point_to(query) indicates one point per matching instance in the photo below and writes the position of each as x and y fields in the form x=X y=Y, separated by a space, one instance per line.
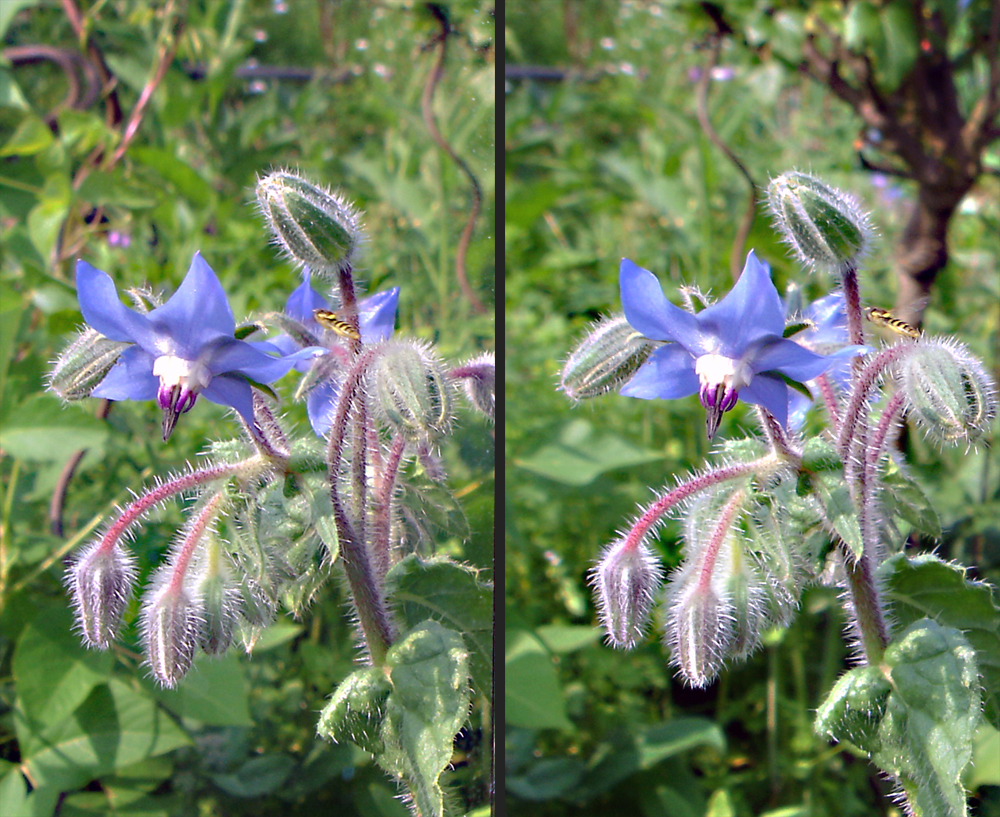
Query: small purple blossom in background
x=183 y=348
x=732 y=350
x=377 y=318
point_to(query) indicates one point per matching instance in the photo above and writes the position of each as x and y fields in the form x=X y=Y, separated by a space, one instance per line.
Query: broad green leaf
x=549 y=778
x=985 y=768
x=258 y=777
x=862 y=27
x=564 y=638
x=925 y=739
x=54 y=672
x=429 y=671
x=178 y=173
x=902 y=42
x=356 y=711
x=215 y=693
x=720 y=804
x=923 y=585
x=41 y=429
x=532 y=695
x=854 y=708
x=30 y=137
x=581 y=454
x=11 y=95
x=839 y=509
x=112 y=188
x=115 y=727
x=13 y=790
x=45 y=221
x=452 y=595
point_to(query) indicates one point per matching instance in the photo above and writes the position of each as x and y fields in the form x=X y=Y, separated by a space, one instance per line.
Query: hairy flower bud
x=84 y=364
x=171 y=623
x=101 y=581
x=478 y=378
x=314 y=226
x=606 y=358
x=626 y=580
x=411 y=389
x=947 y=390
x=212 y=582
x=825 y=227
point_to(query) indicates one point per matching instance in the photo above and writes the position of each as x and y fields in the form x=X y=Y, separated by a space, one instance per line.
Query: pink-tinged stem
x=718 y=537
x=645 y=522
x=137 y=509
x=192 y=538
x=856 y=412
x=829 y=400
x=777 y=436
x=382 y=506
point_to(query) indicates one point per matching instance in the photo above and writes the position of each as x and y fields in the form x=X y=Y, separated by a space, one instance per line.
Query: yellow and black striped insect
x=883 y=317
x=331 y=320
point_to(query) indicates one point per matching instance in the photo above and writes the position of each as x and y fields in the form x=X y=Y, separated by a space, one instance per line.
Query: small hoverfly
x=882 y=317
x=331 y=320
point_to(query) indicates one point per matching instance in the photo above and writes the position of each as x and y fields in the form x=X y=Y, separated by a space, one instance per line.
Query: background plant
x=162 y=163
x=613 y=163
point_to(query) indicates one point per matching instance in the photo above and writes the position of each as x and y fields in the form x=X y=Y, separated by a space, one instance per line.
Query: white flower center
x=718 y=370
x=175 y=371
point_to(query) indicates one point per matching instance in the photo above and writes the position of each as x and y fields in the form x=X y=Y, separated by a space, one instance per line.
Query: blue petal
x=303 y=300
x=378 y=315
x=104 y=312
x=791 y=359
x=751 y=310
x=669 y=373
x=649 y=312
x=769 y=392
x=131 y=378
x=798 y=406
x=197 y=313
x=232 y=391
x=240 y=357
x=321 y=405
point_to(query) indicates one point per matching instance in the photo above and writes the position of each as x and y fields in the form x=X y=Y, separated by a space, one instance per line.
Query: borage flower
x=377 y=317
x=183 y=348
x=732 y=350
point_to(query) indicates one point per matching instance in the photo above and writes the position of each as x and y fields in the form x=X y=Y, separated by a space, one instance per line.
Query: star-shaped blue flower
x=731 y=350
x=183 y=348
x=377 y=316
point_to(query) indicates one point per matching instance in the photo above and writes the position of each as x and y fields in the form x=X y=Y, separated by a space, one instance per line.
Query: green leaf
x=116 y=726
x=925 y=586
x=429 y=671
x=30 y=137
x=564 y=638
x=258 y=777
x=985 y=769
x=42 y=429
x=839 y=509
x=215 y=693
x=580 y=455
x=53 y=671
x=854 y=708
x=925 y=738
x=902 y=43
x=862 y=27
x=549 y=778
x=113 y=188
x=904 y=499
x=179 y=174
x=452 y=595
x=357 y=709
x=533 y=697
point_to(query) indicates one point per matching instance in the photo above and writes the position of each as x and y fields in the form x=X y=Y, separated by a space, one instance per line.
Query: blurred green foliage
x=239 y=736
x=609 y=162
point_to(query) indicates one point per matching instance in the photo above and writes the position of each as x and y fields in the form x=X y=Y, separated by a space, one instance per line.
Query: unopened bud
x=626 y=580
x=947 y=390
x=412 y=390
x=170 y=625
x=478 y=378
x=314 y=226
x=824 y=226
x=101 y=582
x=83 y=365
x=606 y=358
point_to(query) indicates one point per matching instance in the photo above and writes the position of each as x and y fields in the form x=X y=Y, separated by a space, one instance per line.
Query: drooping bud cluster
x=412 y=390
x=478 y=377
x=825 y=227
x=313 y=226
x=626 y=580
x=608 y=356
x=947 y=391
